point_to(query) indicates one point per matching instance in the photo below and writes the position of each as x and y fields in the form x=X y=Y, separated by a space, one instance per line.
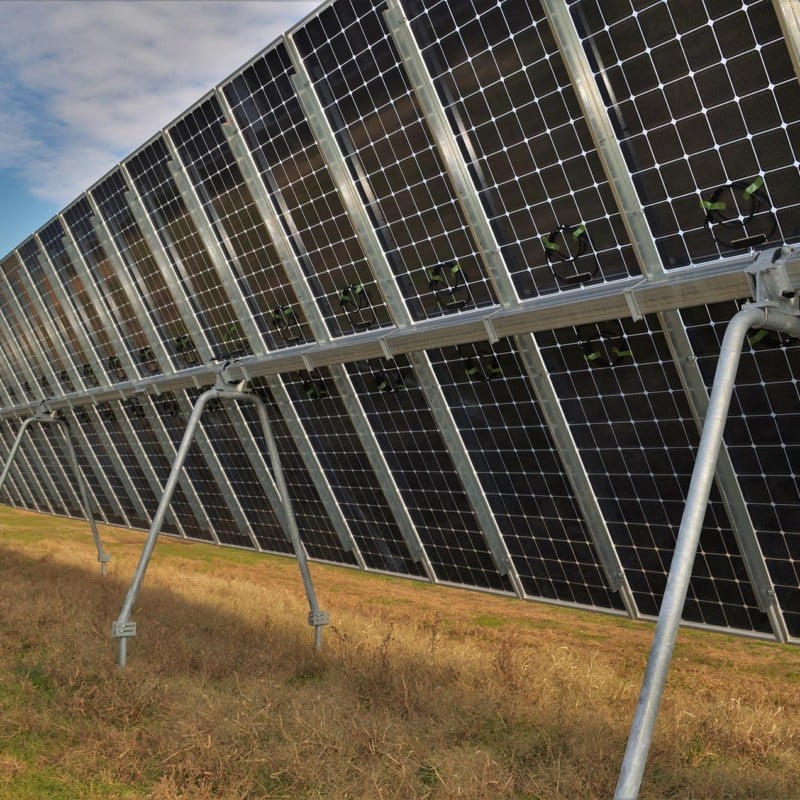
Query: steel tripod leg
x=15 y=449
x=316 y=616
x=102 y=556
x=123 y=628
x=669 y=617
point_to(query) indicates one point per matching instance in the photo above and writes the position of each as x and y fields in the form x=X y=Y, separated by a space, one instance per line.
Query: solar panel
x=476 y=259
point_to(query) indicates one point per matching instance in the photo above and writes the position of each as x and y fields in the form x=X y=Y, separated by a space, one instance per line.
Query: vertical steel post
x=688 y=537
x=123 y=628
x=102 y=556
x=316 y=617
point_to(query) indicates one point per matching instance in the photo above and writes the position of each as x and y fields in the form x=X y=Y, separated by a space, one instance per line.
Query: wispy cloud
x=83 y=83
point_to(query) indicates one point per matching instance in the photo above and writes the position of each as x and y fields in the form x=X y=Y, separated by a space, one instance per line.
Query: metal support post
x=123 y=628
x=45 y=416
x=772 y=316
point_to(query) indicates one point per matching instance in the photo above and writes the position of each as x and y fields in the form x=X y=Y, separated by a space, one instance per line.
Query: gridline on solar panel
x=702 y=95
x=101 y=500
x=244 y=480
x=350 y=473
x=628 y=413
x=178 y=235
x=143 y=270
x=22 y=485
x=521 y=132
x=82 y=307
x=371 y=107
x=101 y=271
x=29 y=336
x=118 y=423
x=105 y=421
x=42 y=448
x=509 y=445
x=60 y=317
x=236 y=220
x=293 y=170
x=314 y=523
x=197 y=473
x=763 y=438
x=409 y=438
x=81 y=420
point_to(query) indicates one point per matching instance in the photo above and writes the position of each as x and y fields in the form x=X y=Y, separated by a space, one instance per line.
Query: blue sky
x=85 y=82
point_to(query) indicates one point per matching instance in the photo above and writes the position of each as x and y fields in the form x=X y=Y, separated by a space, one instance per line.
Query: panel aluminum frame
x=436 y=120
x=788 y=15
x=326 y=141
x=208 y=237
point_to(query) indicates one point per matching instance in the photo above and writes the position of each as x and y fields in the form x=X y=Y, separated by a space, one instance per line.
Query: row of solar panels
x=376 y=174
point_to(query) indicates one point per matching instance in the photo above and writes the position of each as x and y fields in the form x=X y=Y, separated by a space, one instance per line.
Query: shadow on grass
x=224 y=697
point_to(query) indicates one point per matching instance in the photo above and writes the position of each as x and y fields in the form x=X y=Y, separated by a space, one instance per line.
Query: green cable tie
x=753 y=187
x=548 y=245
x=433 y=276
x=593 y=356
x=455 y=269
x=579 y=231
x=758 y=336
x=619 y=353
x=709 y=206
x=471 y=371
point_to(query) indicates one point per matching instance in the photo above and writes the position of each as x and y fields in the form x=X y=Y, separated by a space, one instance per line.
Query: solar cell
x=477 y=259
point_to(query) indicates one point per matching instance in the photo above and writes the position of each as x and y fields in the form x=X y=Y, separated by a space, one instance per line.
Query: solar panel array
x=477 y=257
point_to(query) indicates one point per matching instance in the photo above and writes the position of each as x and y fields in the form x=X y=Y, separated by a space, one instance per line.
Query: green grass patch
x=489 y=621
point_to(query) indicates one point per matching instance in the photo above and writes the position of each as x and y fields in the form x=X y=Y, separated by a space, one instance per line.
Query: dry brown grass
x=420 y=692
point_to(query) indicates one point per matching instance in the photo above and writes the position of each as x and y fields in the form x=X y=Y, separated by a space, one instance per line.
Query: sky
x=83 y=83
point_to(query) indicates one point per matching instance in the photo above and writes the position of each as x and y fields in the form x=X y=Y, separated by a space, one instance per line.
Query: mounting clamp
x=772 y=283
x=224 y=382
x=318 y=618
x=123 y=630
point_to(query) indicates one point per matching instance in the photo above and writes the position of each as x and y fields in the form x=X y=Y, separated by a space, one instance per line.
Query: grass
x=417 y=694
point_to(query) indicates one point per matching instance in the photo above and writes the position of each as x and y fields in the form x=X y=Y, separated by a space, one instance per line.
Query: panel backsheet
x=387 y=167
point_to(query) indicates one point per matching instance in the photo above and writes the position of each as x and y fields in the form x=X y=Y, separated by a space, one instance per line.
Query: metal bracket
x=225 y=382
x=123 y=630
x=385 y=349
x=317 y=618
x=491 y=333
x=772 y=284
x=633 y=301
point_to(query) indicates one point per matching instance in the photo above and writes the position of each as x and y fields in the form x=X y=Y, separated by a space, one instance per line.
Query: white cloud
x=84 y=83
